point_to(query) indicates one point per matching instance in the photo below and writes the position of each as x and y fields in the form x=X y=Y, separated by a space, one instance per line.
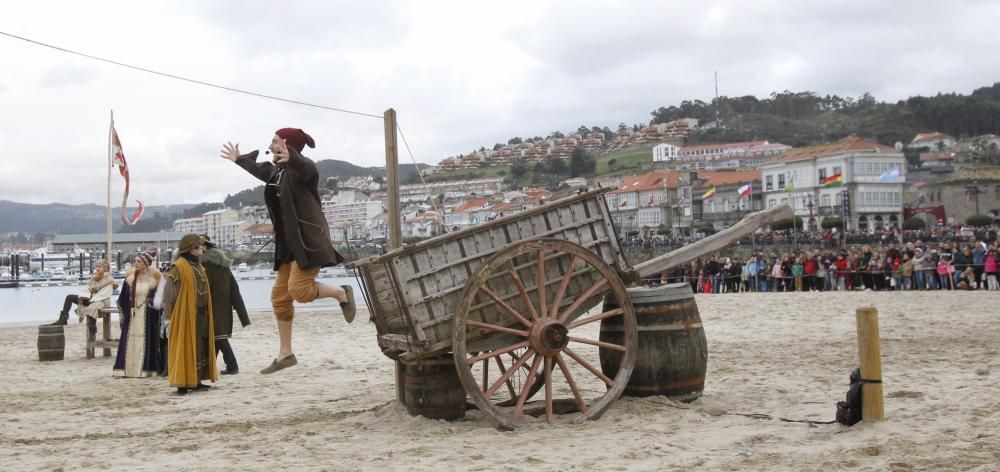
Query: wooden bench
x=106 y=342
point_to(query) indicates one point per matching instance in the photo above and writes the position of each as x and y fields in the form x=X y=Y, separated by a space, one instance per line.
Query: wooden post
x=395 y=236
x=395 y=233
x=400 y=382
x=870 y=362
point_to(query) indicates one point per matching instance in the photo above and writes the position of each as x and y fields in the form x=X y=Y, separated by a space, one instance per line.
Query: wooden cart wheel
x=512 y=336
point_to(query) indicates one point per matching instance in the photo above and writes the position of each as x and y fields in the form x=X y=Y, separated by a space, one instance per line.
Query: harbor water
x=42 y=304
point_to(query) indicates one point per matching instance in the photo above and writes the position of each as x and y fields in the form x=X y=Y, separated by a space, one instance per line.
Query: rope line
x=185 y=79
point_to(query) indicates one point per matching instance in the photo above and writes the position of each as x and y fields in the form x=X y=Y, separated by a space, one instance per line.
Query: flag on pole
x=891 y=175
x=834 y=180
x=118 y=159
x=745 y=191
x=709 y=194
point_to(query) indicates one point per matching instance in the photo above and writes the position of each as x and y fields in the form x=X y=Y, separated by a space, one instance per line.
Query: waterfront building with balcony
x=852 y=178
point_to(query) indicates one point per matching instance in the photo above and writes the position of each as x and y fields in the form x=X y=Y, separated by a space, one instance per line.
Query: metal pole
x=108 y=215
x=975 y=188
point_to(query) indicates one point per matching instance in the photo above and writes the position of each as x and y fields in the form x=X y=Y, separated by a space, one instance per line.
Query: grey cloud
x=848 y=47
x=262 y=27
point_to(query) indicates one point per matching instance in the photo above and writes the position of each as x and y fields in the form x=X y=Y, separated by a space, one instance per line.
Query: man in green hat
x=187 y=306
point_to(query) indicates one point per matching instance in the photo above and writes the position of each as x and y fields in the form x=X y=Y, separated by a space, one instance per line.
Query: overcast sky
x=460 y=74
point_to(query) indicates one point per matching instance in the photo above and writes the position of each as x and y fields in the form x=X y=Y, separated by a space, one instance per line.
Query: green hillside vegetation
x=796 y=119
x=624 y=162
x=805 y=118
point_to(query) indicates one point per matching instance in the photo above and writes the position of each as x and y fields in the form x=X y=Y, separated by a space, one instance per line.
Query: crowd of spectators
x=833 y=238
x=958 y=262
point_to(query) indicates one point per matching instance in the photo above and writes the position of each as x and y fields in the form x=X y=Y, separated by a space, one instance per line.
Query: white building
x=189 y=225
x=356 y=218
x=934 y=141
x=215 y=220
x=232 y=235
x=665 y=152
x=420 y=192
x=871 y=176
x=731 y=155
x=255 y=215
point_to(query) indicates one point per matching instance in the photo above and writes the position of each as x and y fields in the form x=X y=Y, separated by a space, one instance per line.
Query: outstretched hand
x=230 y=151
x=280 y=149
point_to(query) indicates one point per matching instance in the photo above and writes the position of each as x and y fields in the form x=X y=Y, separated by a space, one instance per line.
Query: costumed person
x=302 y=243
x=97 y=295
x=187 y=304
x=226 y=297
x=139 y=345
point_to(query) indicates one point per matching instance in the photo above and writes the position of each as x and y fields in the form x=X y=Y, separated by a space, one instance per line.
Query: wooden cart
x=507 y=300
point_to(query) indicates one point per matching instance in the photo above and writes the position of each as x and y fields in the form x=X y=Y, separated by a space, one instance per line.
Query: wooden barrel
x=673 y=352
x=51 y=343
x=433 y=390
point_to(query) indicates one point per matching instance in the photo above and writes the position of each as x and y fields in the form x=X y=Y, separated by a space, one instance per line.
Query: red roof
x=720 y=178
x=850 y=144
x=470 y=204
x=655 y=180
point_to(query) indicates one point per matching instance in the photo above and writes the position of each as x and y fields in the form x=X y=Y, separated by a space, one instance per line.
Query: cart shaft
x=713 y=243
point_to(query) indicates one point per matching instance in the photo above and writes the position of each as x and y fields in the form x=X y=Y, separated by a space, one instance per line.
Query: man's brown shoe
x=277 y=365
x=348 y=307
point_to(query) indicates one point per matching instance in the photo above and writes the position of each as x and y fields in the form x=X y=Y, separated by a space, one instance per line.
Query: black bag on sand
x=849 y=412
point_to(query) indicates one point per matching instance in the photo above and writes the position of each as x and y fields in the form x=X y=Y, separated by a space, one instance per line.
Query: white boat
x=337 y=271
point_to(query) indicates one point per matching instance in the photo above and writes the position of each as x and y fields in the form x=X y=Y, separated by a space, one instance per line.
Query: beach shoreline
x=785 y=355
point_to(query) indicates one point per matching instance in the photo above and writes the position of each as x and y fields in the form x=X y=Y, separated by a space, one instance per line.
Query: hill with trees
x=805 y=118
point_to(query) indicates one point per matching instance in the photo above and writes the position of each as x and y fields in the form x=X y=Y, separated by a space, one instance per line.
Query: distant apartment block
x=215 y=221
x=420 y=192
x=742 y=154
x=189 y=225
x=354 y=218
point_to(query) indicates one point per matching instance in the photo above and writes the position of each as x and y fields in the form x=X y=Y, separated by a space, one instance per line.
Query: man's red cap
x=296 y=138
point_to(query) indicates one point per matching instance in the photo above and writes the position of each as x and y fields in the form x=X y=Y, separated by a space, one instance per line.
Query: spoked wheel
x=518 y=330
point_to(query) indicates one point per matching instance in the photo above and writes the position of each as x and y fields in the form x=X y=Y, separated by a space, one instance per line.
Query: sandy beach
x=783 y=355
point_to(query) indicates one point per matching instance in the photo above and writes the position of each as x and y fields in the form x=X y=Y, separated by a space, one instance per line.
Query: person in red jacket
x=842 y=275
x=809 y=270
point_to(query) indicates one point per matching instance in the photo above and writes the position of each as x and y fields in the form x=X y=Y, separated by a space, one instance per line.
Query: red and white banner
x=118 y=159
x=745 y=190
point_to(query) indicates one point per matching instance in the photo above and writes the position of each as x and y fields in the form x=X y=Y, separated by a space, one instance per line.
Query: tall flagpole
x=110 y=133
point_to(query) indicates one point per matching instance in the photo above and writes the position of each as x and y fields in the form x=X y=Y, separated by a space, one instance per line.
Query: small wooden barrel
x=673 y=352
x=432 y=389
x=51 y=343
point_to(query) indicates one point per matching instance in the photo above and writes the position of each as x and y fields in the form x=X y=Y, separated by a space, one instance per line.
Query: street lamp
x=811 y=222
x=973 y=189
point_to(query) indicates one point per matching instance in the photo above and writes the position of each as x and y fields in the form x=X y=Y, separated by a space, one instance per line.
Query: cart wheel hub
x=548 y=337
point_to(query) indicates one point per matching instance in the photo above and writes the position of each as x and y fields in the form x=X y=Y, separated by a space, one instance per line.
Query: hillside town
x=849 y=185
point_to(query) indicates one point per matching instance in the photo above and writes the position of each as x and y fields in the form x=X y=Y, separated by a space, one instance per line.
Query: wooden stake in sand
x=870 y=362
